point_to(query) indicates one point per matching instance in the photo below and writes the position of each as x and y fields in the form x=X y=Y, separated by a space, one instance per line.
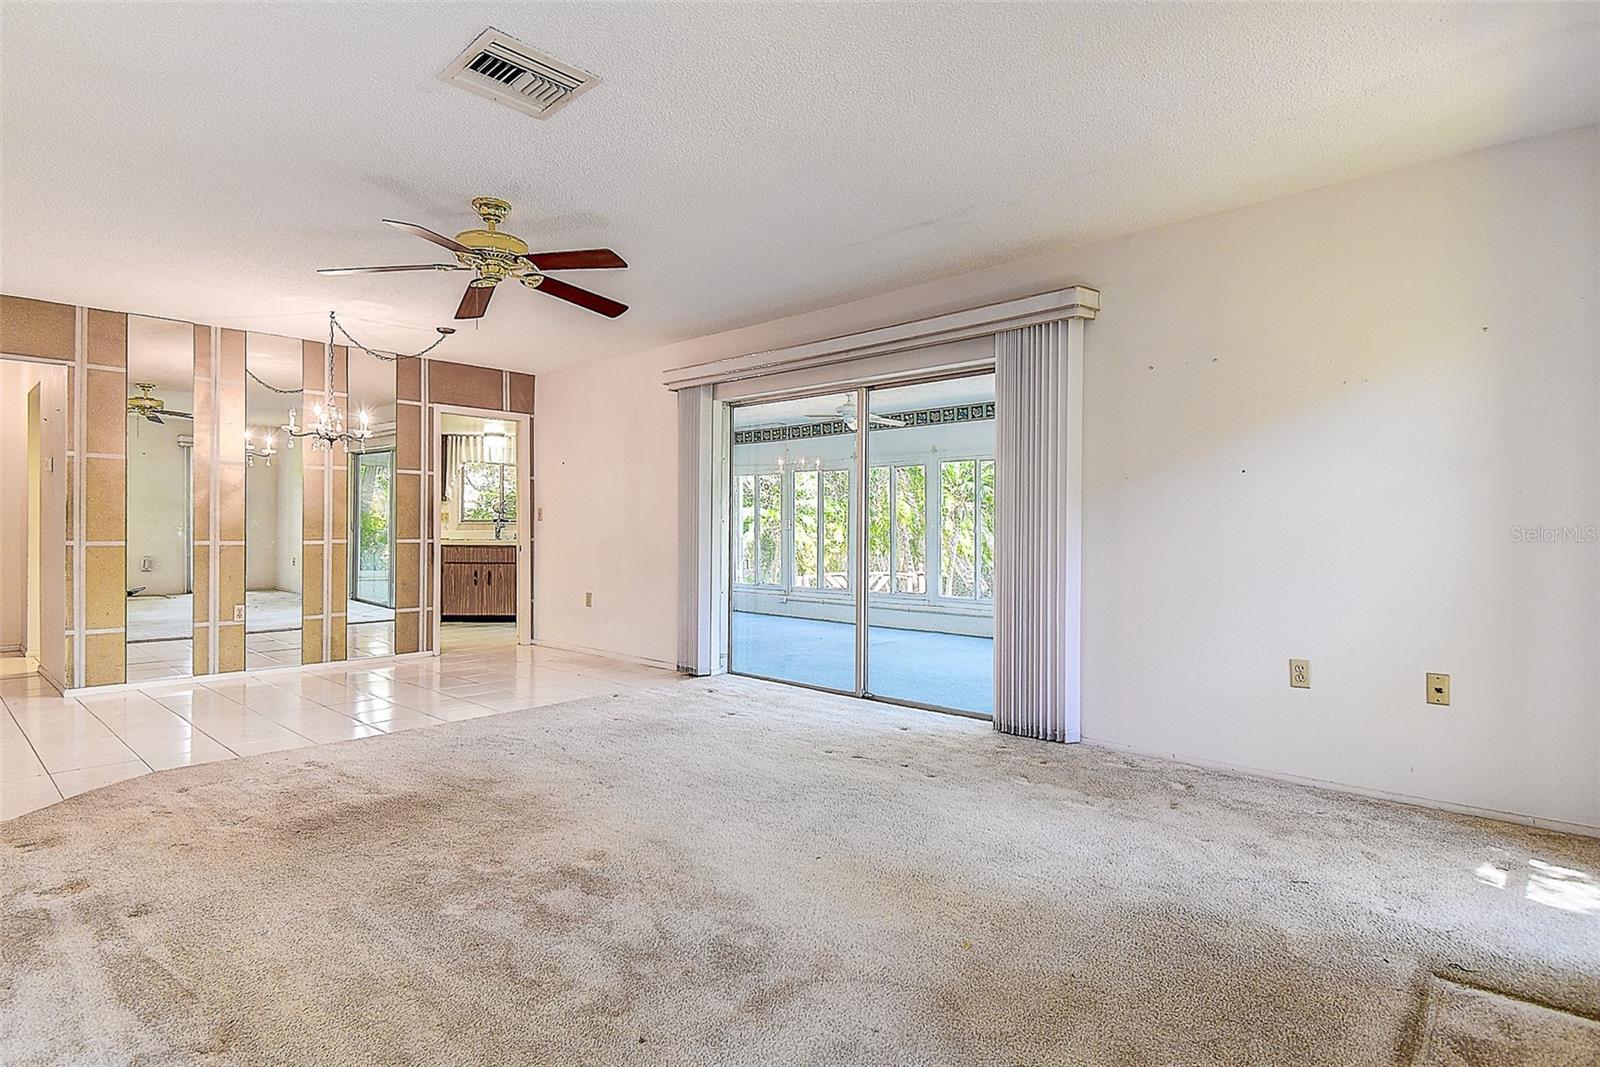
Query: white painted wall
x=1313 y=428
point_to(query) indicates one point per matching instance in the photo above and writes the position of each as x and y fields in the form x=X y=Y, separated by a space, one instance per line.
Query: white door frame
x=524 y=424
x=54 y=537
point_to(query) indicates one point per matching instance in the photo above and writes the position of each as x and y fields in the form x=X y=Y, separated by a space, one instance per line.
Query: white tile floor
x=53 y=747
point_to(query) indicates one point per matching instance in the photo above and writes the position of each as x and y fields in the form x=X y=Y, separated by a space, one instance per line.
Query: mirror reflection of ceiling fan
x=149 y=407
x=496 y=256
x=847 y=412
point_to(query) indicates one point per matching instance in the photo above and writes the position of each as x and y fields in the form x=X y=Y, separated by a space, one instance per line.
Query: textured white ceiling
x=750 y=161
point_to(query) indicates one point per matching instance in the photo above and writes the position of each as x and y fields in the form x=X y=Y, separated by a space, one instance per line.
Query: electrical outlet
x=588 y=600
x=238 y=613
x=1438 y=688
x=1300 y=674
x=538 y=514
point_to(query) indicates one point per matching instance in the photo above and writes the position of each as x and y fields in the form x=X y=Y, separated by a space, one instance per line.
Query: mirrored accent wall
x=159 y=482
x=274 y=578
x=370 y=614
x=233 y=534
x=104 y=594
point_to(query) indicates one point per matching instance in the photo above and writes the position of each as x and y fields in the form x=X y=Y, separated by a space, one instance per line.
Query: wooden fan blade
x=475 y=302
x=428 y=235
x=578 y=259
x=600 y=305
x=390 y=270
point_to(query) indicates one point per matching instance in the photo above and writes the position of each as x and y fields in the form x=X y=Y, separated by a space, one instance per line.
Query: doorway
x=482 y=568
x=862 y=542
x=33 y=534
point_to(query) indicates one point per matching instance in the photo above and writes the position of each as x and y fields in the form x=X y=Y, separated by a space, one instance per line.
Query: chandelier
x=266 y=448
x=326 y=427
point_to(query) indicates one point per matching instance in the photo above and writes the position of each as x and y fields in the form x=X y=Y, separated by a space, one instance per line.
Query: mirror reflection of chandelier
x=266 y=448
x=326 y=427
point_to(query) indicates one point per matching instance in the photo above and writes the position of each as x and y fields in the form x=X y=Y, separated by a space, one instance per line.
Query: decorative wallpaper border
x=838 y=427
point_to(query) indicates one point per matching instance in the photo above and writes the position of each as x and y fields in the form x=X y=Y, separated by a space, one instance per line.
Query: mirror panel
x=369 y=624
x=272 y=498
x=160 y=507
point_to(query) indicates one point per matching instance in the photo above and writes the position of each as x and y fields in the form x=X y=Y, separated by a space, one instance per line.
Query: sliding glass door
x=930 y=544
x=793 y=599
x=900 y=532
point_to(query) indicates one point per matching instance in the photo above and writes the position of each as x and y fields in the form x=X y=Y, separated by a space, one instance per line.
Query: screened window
x=747 y=529
x=880 y=531
x=911 y=529
x=807 y=524
x=488 y=492
x=769 y=528
x=836 y=529
x=966 y=529
x=760 y=529
x=986 y=529
x=813 y=532
x=958 y=529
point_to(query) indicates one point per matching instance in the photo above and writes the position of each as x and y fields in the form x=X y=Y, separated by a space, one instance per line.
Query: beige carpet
x=740 y=873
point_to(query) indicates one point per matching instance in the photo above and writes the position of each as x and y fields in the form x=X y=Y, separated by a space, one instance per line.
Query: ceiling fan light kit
x=495 y=255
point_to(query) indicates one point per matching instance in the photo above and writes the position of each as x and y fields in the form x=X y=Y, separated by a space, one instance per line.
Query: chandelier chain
x=387 y=357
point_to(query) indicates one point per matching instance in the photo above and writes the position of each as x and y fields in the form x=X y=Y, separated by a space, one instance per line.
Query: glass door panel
x=930 y=544
x=793 y=604
x=373 y=578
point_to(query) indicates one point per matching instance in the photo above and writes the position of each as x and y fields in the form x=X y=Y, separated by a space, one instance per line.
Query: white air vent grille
x=502 y=68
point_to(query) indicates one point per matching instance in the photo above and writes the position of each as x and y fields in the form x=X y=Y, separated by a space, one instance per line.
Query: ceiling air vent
x=504 y=69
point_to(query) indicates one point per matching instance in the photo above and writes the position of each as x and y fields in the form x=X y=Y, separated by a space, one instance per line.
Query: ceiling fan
x=847 y=412
x=495 y=256
x=149 y=407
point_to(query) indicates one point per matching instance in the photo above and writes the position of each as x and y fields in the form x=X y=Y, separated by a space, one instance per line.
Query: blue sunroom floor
x=946 y=670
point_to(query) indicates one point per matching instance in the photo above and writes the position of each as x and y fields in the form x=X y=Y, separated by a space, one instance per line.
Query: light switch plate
x=1300 y=674
x=1438 y=688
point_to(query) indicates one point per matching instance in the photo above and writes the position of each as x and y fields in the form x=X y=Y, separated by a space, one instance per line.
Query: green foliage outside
x=375 y=482
x=488 y=492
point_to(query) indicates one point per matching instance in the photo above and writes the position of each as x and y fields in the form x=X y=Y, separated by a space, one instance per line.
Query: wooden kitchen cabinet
x=478 y=582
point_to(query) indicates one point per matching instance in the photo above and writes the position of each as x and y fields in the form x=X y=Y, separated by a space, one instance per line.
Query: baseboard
x=60 y=684
x=643 y=661
x=6 y=650
x=228 y=676
x=1538 y=821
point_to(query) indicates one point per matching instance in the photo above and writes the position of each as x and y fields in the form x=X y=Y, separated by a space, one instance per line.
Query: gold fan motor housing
x=498 y=255
x=144 y=402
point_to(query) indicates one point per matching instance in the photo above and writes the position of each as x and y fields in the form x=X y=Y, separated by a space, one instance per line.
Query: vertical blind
x=1035 y=515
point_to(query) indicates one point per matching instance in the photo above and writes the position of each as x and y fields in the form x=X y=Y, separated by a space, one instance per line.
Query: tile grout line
x=37 y=758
